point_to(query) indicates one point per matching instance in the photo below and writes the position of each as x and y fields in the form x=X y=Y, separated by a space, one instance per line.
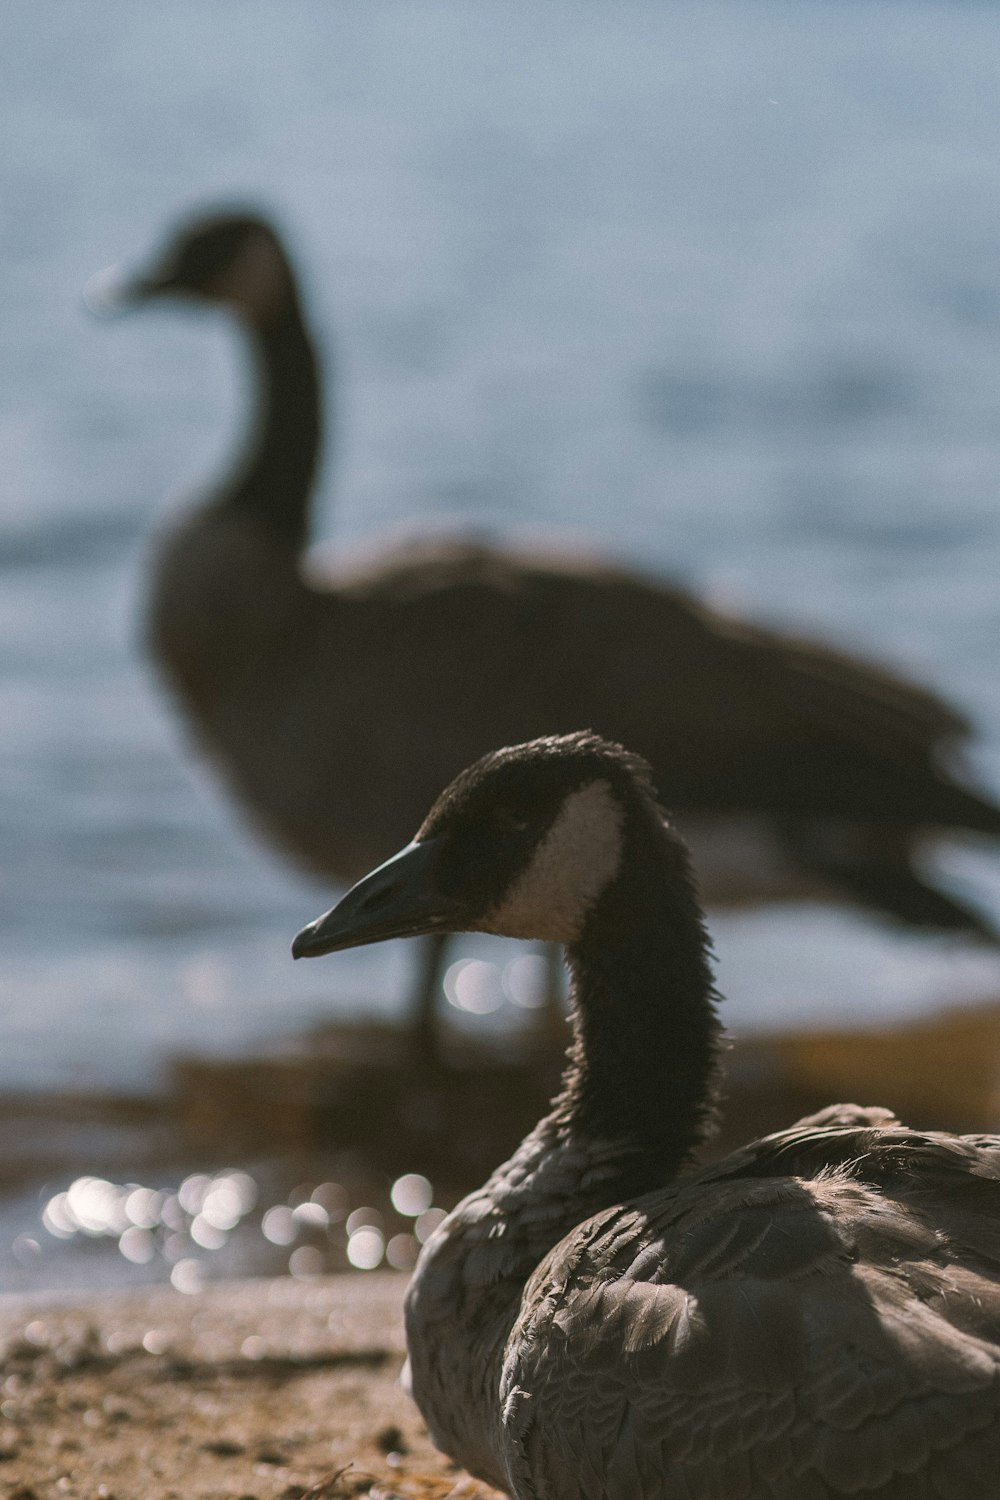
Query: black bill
x=399 y=899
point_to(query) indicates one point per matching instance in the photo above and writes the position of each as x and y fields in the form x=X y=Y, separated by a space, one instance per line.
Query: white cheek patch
x=580 y=854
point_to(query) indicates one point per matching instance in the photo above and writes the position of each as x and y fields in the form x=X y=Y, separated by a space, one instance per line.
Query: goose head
x=524 y=844
x=234 y=260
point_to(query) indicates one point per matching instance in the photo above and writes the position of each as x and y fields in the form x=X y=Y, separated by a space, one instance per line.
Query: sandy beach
x=283 y=1388
x=251 y=1390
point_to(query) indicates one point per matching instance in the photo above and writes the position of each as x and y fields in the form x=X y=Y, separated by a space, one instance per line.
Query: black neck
x=643 y=1061
x=275 y=480
x=637 y=1100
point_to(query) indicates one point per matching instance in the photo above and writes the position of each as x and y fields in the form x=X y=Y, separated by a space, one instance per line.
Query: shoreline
x=249 y=1390
x=340 y=1113
x=286 y=1387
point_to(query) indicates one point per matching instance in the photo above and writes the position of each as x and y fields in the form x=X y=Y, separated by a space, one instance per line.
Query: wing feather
x=803 y=1323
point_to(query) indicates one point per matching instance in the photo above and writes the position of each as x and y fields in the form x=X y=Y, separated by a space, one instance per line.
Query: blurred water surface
x=715 y=286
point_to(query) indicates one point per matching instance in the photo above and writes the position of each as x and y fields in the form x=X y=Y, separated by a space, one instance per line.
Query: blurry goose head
x=524 y=844
x=233 y=259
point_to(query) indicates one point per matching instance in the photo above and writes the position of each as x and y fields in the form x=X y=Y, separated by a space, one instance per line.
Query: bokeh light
x=365 y=1248
x=411 y=1194
x=473 y=985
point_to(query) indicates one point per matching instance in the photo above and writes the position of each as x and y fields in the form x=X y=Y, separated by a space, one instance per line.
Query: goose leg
x=551 y=1034
x=425 y=1009
x=555 y=977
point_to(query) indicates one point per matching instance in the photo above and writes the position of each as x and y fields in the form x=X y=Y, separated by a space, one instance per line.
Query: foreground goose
x=816 y=1315
x=337 y=707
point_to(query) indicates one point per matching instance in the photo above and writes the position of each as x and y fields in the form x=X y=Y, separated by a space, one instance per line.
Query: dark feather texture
x=815 y=1316
x=818 y=1334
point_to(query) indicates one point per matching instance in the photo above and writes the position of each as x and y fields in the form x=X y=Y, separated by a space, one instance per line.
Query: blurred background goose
x=816 y=1315
x=334 y=706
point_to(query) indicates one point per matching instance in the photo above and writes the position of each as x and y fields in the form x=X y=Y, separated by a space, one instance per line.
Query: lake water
x=714 y=286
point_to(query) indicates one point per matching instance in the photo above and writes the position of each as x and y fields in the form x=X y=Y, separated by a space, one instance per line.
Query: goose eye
x=508 y=821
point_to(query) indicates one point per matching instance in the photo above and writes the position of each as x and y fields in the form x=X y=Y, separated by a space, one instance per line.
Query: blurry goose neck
x=275 y=481
x=643 y=1063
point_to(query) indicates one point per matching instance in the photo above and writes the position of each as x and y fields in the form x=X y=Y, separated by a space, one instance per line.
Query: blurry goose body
x=816 y=1315
x=336 y=707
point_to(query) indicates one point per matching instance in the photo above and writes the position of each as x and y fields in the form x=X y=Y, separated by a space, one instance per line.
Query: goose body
x=337 y=703
x=817 y=1315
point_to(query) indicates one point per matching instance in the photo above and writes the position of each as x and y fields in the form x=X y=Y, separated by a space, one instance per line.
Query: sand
x=248 y=1390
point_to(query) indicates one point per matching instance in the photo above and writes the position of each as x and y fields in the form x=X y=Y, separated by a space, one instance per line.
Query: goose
x=336 y=703
x=815 y=1315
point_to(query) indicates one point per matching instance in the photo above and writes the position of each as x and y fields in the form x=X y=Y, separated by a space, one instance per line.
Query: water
x=715 y=286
